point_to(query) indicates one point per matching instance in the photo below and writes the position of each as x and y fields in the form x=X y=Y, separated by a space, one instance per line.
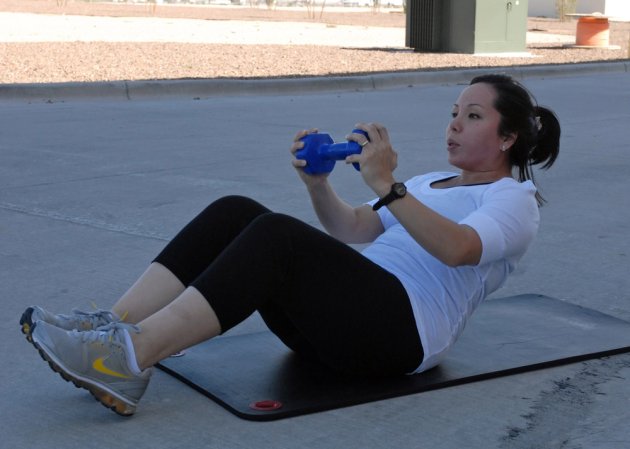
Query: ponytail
x=547 y=138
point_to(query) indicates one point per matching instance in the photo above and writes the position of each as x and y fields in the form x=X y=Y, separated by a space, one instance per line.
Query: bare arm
x=342 y=221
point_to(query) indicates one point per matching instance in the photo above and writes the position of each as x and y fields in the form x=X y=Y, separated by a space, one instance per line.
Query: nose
x=454 y=124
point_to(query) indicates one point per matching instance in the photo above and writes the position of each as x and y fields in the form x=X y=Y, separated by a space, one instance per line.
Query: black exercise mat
x=505 y=336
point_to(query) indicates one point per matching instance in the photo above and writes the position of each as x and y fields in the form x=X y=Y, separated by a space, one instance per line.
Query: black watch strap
x=397 y=191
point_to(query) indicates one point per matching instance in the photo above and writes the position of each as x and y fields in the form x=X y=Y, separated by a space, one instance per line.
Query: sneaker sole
x=108 y=398
x=26 y=324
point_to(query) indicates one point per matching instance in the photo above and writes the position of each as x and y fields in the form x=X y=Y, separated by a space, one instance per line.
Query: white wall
x=619 y=9
x=541 y=8
x=613 y=8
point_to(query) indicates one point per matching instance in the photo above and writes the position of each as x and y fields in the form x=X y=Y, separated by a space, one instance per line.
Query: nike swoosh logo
x=99 y=365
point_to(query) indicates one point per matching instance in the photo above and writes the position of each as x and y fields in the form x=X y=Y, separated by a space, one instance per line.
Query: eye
x=473 y=115
x=454 y=114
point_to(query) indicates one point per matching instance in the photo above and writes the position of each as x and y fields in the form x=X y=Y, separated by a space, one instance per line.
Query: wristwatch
x=397 y=191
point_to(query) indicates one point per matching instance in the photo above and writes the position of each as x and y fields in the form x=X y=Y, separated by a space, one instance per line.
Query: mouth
x=451 y=144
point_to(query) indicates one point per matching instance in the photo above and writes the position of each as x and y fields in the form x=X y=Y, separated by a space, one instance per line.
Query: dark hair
x=537 y=128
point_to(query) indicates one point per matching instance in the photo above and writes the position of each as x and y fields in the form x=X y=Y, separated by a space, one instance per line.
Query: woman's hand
x=299 y=164
x=342 y=221
x=377 y=159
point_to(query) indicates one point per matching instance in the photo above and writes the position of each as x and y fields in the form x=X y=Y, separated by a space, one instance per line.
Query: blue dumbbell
x=320 y=152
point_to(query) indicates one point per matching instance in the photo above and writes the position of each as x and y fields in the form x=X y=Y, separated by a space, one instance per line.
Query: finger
x=352 y=159
x=303 y=133
x=369 y=130
x=358 y=138
x=382 y=131
x=298 y=145
x=363 y=127
x=300 y=134
x=373 y=131
x=298 y=163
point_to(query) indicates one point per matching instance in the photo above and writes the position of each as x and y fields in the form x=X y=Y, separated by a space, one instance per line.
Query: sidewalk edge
x=203 y=88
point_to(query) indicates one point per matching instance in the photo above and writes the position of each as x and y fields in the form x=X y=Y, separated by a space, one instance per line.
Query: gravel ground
x=43 y=62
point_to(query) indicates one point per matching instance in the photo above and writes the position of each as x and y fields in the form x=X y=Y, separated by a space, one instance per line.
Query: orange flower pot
x=592 y=31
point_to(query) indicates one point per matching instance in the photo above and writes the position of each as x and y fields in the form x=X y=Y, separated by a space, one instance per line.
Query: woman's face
x=472 y=137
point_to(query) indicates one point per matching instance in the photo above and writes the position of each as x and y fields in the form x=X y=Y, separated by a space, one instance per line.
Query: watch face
x=400 y=189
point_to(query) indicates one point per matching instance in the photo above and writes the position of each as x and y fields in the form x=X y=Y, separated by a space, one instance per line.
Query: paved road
x=90 y=190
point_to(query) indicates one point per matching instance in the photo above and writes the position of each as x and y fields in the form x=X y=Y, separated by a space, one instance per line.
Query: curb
x=159 y=89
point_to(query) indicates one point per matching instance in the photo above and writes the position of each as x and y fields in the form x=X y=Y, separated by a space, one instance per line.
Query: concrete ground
x=91 y=188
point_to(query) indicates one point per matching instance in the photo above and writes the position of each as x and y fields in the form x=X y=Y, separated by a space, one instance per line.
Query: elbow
x=457 y=262
x=465 y=251
x=453 y=262
x=461 y=258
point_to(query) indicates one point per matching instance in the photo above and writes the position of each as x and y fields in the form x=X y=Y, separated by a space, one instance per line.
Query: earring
x=503 y=148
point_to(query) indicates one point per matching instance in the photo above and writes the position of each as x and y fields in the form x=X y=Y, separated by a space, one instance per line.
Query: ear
x=509 y=140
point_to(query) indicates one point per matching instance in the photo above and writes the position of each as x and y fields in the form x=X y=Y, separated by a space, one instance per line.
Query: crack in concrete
x=67 y=181
x=556 y=413
x=95 y=224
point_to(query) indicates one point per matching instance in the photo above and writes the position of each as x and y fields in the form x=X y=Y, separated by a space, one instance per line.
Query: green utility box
x=467 y=26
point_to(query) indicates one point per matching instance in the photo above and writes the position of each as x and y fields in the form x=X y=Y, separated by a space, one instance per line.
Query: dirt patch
x=105 y=61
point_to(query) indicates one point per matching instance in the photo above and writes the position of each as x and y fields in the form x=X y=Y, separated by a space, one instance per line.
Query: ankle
x=132 y=359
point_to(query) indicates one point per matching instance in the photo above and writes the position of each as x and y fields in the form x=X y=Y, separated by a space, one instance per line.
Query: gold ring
x=364 y=143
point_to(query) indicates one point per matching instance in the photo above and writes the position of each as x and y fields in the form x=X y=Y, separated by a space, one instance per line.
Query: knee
x=275 y=228
x=233 y=206
x=276 y=221
x=233 y=202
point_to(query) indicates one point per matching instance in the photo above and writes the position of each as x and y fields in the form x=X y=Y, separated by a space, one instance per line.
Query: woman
x=440 y=243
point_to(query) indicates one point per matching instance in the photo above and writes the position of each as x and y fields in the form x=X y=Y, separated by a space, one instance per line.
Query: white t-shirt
x=505 y=216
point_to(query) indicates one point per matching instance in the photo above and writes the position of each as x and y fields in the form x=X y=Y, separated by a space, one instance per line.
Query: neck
x=466 y=177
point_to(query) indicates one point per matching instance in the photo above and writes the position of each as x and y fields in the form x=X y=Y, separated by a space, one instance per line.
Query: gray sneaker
x=82 y=321
x=94 y=360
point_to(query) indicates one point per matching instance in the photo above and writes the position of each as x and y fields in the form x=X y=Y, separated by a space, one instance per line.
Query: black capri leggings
x=321 y=297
